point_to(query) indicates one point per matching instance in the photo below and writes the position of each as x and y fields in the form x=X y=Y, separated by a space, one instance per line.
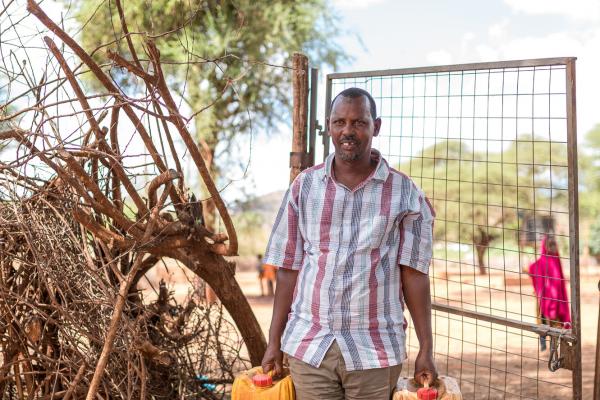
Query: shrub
x=594 y=242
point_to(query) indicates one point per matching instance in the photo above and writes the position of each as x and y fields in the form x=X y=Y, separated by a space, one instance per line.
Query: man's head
x=352 y=124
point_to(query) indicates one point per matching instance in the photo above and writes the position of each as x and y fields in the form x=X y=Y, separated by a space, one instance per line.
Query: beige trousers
x=331 y=381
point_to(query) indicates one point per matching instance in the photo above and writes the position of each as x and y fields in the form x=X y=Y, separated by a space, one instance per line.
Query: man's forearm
x=286 y=283
x=415 y=286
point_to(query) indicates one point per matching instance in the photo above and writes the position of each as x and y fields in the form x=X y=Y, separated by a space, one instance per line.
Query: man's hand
x=425 y=371
x=273 y=359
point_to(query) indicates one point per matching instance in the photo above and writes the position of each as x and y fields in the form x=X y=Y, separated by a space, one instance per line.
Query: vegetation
x=208 y=47
x=594 y=242
x=589 y=175
x=482 y=196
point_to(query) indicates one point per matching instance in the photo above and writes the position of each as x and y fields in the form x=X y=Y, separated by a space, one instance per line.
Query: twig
x=193 y=149
x=76 y=381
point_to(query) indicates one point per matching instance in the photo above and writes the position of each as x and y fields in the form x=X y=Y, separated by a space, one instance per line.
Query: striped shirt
x=347 y=246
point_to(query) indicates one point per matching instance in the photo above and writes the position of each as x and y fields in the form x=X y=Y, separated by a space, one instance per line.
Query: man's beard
x=348 y=156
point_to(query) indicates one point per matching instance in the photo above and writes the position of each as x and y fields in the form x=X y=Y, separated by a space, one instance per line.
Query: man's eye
x=339 y=123
x=360 y=123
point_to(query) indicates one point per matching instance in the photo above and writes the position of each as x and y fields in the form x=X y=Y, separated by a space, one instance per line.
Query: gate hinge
x=319 y=128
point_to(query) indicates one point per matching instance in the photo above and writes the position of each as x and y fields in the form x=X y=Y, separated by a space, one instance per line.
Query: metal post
x=312 y=122
x=298 y=156
x=574 y=225
x=327 y=111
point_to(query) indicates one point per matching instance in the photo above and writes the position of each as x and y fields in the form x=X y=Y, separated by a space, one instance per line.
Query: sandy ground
x=491 y=361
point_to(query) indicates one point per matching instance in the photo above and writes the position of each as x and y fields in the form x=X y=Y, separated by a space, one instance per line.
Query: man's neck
x=352 y=173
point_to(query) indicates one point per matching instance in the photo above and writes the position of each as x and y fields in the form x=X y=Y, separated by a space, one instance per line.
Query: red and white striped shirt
x=348 y=245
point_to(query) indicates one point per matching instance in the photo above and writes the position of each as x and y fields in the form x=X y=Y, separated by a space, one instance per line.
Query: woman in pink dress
x=550 y=288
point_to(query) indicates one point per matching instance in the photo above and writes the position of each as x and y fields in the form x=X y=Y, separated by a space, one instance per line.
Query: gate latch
x=562 y=354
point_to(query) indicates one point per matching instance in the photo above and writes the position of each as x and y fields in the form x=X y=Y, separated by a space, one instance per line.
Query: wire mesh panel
x=493 y=147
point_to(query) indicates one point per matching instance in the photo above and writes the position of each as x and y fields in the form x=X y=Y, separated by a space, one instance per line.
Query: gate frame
x=573 y=337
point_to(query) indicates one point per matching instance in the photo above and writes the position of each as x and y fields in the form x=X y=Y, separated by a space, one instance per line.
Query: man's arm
x=417 y=297
x=286 y=283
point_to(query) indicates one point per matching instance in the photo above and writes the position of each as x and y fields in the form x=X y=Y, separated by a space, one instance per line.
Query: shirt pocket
x=379 y=229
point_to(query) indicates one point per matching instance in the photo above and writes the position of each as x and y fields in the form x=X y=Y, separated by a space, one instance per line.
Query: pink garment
x=549 y=284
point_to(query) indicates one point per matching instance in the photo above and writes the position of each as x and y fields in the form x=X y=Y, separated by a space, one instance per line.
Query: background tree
x=480 y=196
x=589 y=188
x=208 y=46
x=594 y=241
x=589 y=172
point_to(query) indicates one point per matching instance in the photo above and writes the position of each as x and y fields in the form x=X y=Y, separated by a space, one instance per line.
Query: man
x=352 y=241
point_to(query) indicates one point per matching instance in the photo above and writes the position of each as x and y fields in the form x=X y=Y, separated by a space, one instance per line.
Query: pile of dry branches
x=57 y=304
x=76 y=236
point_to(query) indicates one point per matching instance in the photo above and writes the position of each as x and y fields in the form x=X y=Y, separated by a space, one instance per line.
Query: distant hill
x=268 y=205
x=253 y=219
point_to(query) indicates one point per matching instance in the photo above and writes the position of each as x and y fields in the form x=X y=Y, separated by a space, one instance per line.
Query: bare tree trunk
x=481 y=249
x=482 y=242
x=219 y=274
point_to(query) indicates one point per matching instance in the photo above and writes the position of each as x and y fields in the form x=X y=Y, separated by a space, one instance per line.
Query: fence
x=493 y=145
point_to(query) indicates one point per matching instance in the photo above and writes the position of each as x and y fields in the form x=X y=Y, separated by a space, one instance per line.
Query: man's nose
x=348 y=129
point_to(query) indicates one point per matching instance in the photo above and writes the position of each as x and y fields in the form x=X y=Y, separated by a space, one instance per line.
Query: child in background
x=270 y=275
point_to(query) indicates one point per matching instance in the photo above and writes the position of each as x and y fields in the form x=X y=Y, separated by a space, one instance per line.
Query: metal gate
x=494 y=147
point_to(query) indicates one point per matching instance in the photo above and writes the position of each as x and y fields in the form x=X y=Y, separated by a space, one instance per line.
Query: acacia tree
x=589 y=171
x=479 y=196
x=208 y=46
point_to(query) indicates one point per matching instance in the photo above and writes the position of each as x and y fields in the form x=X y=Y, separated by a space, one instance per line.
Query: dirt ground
x=492 y=362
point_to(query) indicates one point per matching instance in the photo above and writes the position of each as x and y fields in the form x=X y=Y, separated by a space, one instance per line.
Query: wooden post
x=299 y=155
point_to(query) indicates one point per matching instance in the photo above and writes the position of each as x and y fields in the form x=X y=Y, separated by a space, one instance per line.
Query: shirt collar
x=381 y=171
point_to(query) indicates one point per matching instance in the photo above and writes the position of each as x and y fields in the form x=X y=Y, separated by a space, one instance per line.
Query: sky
x=387 y=34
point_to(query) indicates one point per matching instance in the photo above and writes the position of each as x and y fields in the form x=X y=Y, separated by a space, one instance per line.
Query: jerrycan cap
x=262 y=380
x=427 y=393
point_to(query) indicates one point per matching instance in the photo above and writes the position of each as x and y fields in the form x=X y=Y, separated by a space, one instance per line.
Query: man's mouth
x=348 y=145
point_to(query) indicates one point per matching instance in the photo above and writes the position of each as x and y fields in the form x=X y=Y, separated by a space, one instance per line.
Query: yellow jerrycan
x=254 y=385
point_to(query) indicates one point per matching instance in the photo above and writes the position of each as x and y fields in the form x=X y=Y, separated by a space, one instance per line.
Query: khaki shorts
x=331 y=381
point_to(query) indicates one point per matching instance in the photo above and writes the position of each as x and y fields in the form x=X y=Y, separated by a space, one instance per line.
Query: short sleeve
x=286 y=245
x=416 y=233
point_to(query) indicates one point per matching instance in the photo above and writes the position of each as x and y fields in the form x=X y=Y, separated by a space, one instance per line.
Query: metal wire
x=489 y=146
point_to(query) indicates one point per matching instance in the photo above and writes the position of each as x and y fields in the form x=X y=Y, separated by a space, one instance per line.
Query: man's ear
x=327 y=127
x=377 y=126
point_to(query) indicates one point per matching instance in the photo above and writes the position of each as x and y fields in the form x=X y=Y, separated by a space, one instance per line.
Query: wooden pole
x=299 y=155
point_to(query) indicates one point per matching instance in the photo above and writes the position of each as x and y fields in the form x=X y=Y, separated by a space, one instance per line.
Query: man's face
x=352 y=128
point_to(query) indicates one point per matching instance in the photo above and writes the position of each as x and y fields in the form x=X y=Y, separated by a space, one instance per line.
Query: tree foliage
x=217 y=52
x=589 y=175
x=594 y=242
x=483 y=195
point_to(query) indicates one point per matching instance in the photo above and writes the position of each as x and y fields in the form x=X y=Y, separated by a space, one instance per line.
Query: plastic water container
x=447 y=389
x=254 y=385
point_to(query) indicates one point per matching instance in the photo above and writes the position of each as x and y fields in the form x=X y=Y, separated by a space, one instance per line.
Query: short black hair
x=355 y=92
